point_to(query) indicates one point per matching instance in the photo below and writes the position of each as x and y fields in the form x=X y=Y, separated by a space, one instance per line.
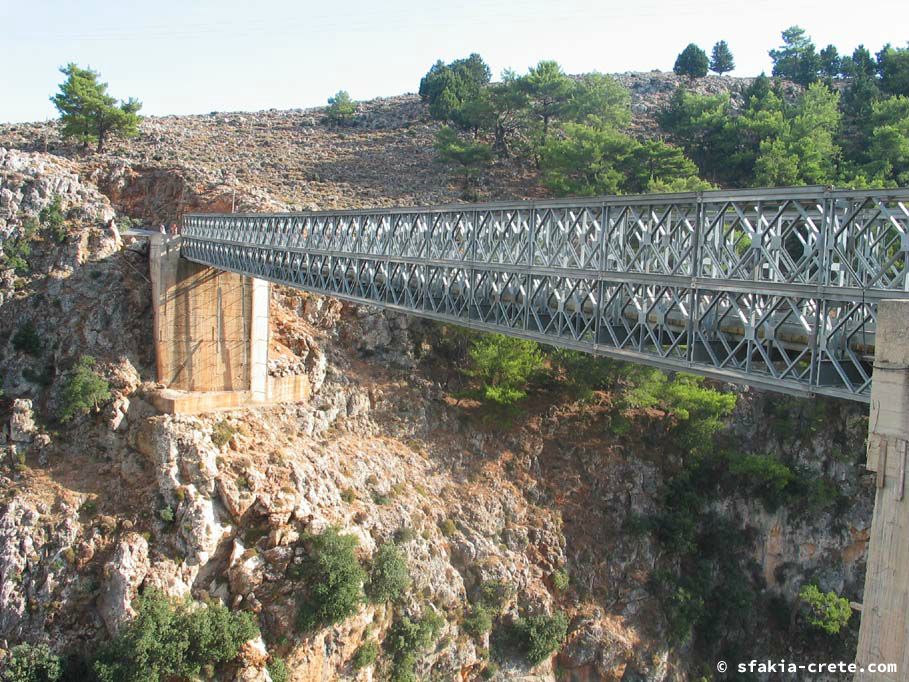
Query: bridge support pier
x=884 y=632
x=211 y=335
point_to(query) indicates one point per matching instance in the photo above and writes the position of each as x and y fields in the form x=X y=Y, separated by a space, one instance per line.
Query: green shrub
x=83 y=391
x=684 y=608
x=407 y=639
x=222 y=432
x=468 y=156
x=27 y=340
x=698 y=410
x=349 y=495
x=826 y=611
x=820 y=494
x=16 y=253
x=365 y=655
x=448 y=527
x=32 y=663
x=17 y=261
x=277 y=669
x=334 y=580
x=494 y=594
x=52 y=220
x=584 y=373
x=405 y=534
x=166 y=514
x=388 y=576
x=171 y=639
x=763 y=476
x=539 y=636
x=478 y=621
x=381 y=499
x=560 y=580
x=764 y=470
x=504 y=366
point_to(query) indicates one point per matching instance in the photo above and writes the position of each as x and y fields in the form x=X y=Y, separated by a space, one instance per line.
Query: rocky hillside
x=548 y=510
x=292 y=159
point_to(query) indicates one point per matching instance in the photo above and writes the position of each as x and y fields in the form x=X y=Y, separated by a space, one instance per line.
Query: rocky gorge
x=551 y=505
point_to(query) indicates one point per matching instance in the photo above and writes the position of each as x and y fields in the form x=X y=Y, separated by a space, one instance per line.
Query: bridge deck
x=776 y=288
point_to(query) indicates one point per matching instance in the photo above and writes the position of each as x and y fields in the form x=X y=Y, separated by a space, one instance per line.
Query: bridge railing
x=774 y=287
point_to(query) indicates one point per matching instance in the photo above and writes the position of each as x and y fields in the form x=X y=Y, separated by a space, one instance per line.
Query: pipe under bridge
x=776 y=288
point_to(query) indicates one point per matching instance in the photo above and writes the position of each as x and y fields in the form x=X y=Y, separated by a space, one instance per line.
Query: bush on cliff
x=504 y=367
x=407 y=639
x=173 y=639
x=334 y=580
x=32 y=663
x=534 y=637
x=83 y=391
x=826 y=611
x=388 y=576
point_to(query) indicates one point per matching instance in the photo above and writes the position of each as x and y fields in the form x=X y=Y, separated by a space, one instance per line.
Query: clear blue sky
x=197 y=56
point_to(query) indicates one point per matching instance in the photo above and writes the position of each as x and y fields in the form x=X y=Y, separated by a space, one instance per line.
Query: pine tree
x=446 y=88
x=721 y=58
x=550 y=93
x=831 y=63
x=692 y=61
x=88 y=113
x=893 y=64
x=341 y=108
x=472 y=157
x=797 y=58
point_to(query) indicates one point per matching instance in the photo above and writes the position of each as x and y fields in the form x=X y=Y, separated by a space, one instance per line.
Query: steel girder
x=777 y=288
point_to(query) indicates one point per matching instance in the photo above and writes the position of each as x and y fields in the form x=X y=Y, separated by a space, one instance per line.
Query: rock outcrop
x=123 y=575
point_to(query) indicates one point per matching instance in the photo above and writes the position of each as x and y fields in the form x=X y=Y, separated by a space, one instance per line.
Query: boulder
x=123 y=575
x=22 y=422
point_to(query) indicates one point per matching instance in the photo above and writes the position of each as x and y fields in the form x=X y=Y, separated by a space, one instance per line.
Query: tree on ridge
x=721 y=60
x=692 y=61
x=89 y=113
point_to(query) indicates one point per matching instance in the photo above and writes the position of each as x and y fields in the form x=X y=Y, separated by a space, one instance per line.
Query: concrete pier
x=211 y=336
x=884 y=632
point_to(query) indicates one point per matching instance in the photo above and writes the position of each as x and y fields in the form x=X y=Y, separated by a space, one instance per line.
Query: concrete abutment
x=211 y=335
x=884 y=632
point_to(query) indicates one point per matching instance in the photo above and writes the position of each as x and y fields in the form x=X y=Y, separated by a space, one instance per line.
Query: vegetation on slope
x=848 y=127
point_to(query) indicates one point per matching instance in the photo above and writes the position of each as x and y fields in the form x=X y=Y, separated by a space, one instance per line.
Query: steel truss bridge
x=776 y=288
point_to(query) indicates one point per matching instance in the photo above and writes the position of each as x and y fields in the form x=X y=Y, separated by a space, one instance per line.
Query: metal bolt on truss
x=772 y=287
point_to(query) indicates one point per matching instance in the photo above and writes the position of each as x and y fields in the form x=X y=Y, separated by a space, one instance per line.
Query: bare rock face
x=168 y=577
x=253 y=661
x=185 y=465
x=235 y=500
x=246 y=570
x=51 y=177
x=383 y=334
x=34 y=573
x=123 y=575
x=22 y=422
x=15 y=547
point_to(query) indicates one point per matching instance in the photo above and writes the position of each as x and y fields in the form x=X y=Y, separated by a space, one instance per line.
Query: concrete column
x=258 y=341
x=163 y=256
x=204 y=323
x=884 y=632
